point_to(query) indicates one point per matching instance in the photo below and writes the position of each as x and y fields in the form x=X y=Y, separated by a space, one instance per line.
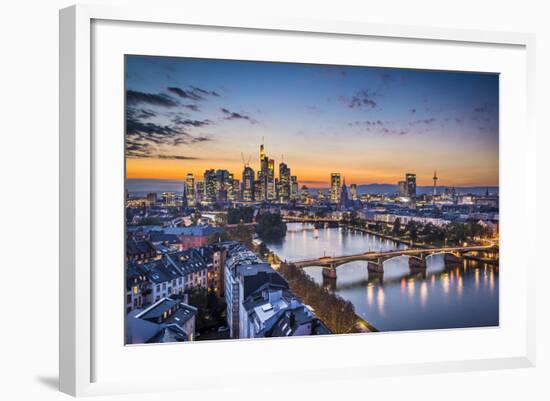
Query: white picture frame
x=79 y=343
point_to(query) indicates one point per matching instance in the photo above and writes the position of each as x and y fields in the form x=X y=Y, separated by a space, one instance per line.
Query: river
x=464 y=295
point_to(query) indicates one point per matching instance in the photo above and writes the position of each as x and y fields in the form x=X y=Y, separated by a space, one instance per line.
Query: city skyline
x=250 y=185
x=370 y=124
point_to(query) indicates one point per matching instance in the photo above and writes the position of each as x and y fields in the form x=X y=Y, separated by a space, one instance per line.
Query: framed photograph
x=344 y=199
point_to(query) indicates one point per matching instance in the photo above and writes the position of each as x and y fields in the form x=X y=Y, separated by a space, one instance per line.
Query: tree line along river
x=464 y=295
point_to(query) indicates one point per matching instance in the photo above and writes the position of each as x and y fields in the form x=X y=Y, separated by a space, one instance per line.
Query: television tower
x=435 y=184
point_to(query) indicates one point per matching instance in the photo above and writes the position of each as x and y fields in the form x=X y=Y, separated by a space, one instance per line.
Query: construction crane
x=247 y=162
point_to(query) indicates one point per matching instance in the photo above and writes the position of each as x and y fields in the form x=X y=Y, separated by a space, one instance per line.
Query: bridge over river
x=417 y=257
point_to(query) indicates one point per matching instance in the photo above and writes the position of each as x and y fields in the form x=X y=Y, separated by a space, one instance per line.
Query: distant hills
x=390 y=189
x=383 y=189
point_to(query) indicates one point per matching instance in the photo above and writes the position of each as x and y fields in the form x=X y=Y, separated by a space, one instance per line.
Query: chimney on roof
x=274 y=296
x=293 y=303
x=291 y=319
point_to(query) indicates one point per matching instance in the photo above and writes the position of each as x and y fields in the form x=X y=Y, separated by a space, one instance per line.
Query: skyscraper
x=234 y=191
x=190 y=187
x=402 y=191
x=262 y=151
x=184 y=202
x=284 y=182
x=271 y=194
x=335 y=187
x=224 y=183
x=410 y=179
x=210 y=190
x=263 y=175
x=199 y=191
x=353 y=191
x=258 y=190
x=294 y=187
x=248 y=185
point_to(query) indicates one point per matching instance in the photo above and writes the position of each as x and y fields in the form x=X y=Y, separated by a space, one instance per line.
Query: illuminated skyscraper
x=248 y=185
x=263 y=176
x=294 y=188
x=258 y=190
x=184 y=202
x=335 y=187
x=210 y=187
x=411 y=185
x=234 y=192
x=284 y=182
x=271 y=194
x=199 y=191
x=224 y=183
x=190 y=187
x=262 y=151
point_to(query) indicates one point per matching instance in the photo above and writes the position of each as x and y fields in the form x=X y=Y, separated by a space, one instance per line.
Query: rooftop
x=134 y=247
x=188 y=261
x=204 y=230
x=176 y=311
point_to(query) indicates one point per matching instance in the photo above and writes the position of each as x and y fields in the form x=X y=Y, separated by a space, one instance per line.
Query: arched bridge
x=417 y=257
x=296 y=219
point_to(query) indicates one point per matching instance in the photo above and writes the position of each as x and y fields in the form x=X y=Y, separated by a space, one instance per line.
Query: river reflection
x=444 y=296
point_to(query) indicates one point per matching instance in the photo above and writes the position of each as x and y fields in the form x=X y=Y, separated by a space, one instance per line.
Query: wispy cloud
x=366 y=123
x=192 y=93
x=232 y=115
x=192 y=107
x=363 y=99
x=144 y=138
x=425 y=121
x=176 y=157
x=380 y=127
x=181 y=121
x=160 y=99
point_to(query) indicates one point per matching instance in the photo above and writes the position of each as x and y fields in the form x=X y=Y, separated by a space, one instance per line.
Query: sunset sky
x=372 y=125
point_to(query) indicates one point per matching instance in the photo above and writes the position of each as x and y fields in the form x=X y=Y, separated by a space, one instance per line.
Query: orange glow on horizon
x=316 y=177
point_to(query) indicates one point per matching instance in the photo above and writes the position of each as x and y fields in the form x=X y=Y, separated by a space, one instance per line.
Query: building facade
x=335 y=184
x=248 y=183
x=410 y=180
x=190 y=188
